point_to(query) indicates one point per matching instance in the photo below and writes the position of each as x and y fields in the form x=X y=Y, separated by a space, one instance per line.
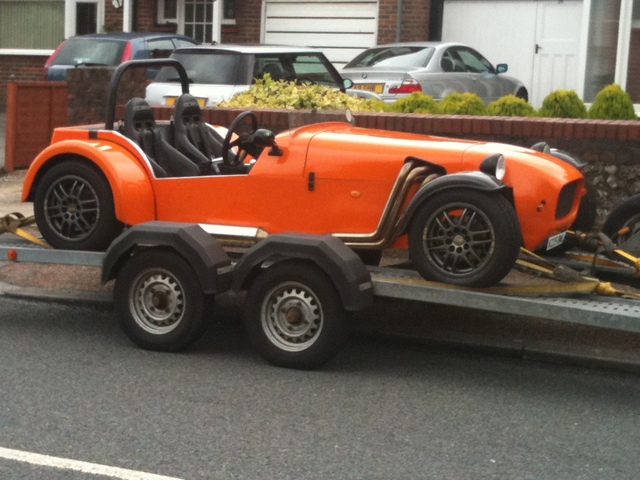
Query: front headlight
x=494 y=165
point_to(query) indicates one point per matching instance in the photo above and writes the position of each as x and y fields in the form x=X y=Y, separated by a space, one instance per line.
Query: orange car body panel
x=331 y=177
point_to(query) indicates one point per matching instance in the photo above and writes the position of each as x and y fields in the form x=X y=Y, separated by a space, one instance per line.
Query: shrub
x=612 y=103
x=268 y=93
x=510 y=106
x=466 y=103
x=562 y=103
x=417 y=102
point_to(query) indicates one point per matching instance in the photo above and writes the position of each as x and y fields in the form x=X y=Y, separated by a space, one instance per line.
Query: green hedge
x=611 y=103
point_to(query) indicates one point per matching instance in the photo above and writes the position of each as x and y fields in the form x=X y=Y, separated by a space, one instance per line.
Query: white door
x=556 y=58
x=509 y=31
x=341 y=29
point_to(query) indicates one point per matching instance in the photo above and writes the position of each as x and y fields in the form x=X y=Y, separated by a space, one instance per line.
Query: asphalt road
x=76 y=390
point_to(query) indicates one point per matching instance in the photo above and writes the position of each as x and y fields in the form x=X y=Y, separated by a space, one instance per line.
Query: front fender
x=128 y=178
x=471 y=180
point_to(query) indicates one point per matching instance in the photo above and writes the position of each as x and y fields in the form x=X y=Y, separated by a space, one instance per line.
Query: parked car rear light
x=53 y=56
x=126 y=54
x=408 y=85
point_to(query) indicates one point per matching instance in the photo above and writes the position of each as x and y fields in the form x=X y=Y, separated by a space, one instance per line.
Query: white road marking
x=84 y=467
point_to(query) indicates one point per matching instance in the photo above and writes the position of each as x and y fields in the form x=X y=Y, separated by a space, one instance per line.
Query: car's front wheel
x=465 y=238
x=74 y=208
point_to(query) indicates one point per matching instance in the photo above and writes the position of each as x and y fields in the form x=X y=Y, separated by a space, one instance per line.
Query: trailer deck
x=573 y=302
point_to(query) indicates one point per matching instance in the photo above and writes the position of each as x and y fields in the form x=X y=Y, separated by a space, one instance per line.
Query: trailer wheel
x=294 y=316
x=465 y=237
x=159 y=302
x=74 y=208
x=625 y=216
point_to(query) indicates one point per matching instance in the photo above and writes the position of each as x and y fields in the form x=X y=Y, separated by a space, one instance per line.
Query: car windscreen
x=400 y=57
x=301 y=67
x=90 y=52
x=208 y=67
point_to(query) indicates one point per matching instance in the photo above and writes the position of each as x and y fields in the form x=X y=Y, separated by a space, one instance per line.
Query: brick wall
x=414 y=24
x=247 y=27
x=17 y=68
x=112 y=18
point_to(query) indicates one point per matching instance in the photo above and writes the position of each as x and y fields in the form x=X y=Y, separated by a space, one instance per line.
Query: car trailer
x=300 y=289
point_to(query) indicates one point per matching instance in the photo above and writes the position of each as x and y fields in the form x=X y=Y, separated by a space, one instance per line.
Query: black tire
x=74 y=208
x=159 y=302
x=294 y=316
x=465 y=237
x=627 y=214
x=523 y=94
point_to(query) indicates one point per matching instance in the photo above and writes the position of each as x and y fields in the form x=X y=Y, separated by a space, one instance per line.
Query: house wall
x=414 y=25
x=19 y=68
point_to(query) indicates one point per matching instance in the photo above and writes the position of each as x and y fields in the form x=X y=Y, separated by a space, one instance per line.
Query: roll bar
x=117 y=75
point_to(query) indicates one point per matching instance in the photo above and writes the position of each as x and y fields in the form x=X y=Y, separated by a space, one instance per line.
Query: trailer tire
x=159 y=302
x=294 y=316
x=74 y=208
x=465 y=237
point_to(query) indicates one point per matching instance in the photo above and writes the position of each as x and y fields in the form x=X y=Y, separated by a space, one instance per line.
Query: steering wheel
x=237 y=157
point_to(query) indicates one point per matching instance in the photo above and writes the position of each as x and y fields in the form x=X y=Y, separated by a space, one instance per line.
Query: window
x=167 y=11
x=198 y=20
x=229 y=12
x=86 y=18
x=31 y=24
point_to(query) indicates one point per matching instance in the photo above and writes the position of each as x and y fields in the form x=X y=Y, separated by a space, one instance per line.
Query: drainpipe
x=399 y=22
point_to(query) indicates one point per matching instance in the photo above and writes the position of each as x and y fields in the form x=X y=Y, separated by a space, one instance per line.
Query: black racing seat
x=193 y=137
x=140 y=126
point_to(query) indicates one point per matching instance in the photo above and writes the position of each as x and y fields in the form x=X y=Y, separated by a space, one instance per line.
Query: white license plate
x=553 y=242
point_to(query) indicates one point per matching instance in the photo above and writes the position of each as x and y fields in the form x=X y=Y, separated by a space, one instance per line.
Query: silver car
x=437 y=69
x=216 y=73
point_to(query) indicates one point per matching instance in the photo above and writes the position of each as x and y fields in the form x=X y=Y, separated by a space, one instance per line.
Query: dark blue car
x=110 y=49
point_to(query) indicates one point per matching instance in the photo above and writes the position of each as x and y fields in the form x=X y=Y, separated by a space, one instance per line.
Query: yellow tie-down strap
x=568 y=278
x=13 y=223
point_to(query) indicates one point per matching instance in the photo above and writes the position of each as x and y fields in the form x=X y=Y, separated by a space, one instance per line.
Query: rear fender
x=470 y=180
x=127 y=175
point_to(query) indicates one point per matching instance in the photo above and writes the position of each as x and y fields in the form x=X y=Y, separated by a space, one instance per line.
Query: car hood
x=209 y=95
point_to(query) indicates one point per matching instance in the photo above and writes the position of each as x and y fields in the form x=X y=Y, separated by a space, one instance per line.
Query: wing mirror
x=502 y=68
x=266 y=138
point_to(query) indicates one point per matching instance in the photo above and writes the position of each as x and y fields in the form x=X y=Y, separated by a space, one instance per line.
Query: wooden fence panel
x=34 y=109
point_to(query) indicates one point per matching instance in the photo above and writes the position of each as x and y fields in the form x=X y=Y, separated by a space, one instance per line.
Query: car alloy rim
x=157 y=301
x=72 y=208
x=291 y=317
x=458 y=239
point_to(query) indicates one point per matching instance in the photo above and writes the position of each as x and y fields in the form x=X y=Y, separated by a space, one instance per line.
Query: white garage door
x=538 y=39
x=340 y=28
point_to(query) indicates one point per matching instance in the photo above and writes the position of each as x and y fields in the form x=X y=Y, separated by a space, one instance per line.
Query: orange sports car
x=462 y=208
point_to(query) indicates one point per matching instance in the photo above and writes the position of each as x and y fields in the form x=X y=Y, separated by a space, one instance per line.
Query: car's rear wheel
x=465 y=237
x=294 y=316
x=523 y=94
x=74 y=208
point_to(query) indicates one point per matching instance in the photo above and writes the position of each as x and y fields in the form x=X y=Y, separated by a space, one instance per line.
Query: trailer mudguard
x=471 y=180
x=339 y=262
x=203 y=252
